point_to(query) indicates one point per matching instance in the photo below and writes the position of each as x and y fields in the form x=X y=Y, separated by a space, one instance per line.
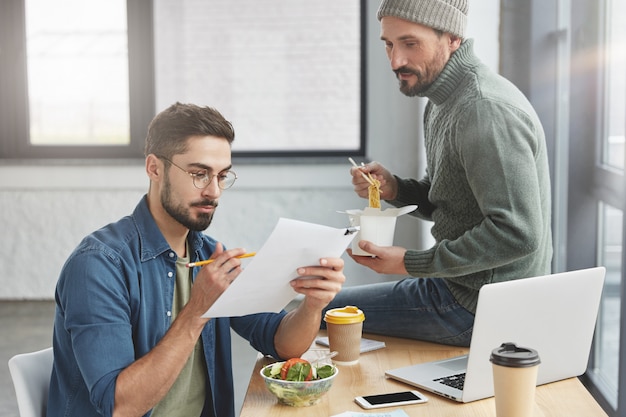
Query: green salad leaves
x=298 y=369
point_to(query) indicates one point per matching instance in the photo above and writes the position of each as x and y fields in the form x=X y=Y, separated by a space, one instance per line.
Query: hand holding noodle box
x=375 y=225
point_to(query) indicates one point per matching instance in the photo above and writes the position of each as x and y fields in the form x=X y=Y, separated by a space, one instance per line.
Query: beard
x=425 y=78
x=181 y=213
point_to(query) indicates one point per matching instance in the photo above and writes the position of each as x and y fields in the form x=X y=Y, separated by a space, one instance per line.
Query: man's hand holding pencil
x=214 y=277
x=208 y=261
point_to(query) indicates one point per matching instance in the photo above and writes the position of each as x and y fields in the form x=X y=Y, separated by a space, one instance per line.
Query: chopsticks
x=367 y=177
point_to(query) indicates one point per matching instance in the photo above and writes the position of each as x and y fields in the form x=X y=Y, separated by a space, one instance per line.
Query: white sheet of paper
x=263 y=285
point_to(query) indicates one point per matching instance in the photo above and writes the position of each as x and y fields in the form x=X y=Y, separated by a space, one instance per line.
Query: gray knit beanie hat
x=446 y=15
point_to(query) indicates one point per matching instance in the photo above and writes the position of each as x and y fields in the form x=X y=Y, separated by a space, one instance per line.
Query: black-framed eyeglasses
x=201 y=179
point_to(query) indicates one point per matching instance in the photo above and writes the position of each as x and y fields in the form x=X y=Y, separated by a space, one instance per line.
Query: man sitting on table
x=129 y=336
x=486 y=188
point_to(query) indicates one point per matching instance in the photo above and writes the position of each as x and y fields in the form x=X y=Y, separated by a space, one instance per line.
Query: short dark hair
x=169 y=130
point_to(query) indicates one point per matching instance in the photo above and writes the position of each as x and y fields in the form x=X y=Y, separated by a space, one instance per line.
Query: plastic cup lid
x=345 y=315
x=509 y=354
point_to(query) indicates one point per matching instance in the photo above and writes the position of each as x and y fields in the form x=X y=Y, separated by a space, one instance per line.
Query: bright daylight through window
x=77 y=59
x=613 y=147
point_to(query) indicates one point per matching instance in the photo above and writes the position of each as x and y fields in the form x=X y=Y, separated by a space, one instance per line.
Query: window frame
x=565 y=37
x=14 y=119
x=14 y=94
x=593 y=183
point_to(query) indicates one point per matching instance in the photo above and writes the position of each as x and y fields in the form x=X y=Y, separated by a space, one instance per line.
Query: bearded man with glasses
x=129 y=336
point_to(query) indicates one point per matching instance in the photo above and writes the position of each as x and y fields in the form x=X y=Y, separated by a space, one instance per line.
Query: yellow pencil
x=208 y=261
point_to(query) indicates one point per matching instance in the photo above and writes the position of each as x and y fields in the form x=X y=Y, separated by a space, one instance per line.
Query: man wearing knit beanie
x=486 y=188
x=444 y=15
x=448 y=18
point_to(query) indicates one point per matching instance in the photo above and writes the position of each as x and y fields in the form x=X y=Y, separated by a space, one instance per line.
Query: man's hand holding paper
x=320 y=284
x=290 y=262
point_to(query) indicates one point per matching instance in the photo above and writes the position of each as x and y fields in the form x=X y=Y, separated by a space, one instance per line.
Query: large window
x=610 y=169
x=77 y=67
x=568 y=57
x=597 y=182
x=83 y=79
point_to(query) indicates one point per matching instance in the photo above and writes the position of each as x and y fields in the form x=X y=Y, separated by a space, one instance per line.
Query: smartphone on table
x=390 y=400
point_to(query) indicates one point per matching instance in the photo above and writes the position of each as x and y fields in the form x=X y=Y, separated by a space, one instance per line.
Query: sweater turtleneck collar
x=453 y=72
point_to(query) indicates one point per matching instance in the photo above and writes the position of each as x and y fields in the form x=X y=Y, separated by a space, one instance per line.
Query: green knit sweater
x=487 y=185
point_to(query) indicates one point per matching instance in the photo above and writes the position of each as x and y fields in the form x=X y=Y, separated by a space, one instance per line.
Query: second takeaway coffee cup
x=345 y=327
x=514 y=379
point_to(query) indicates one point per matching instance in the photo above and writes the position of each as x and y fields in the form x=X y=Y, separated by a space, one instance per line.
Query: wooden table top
x=564 y=398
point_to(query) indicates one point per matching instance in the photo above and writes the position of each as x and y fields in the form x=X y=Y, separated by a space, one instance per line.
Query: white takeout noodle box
x=376 y=225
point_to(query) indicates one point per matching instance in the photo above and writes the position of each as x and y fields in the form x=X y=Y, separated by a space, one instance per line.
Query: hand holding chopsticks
x=367 y=177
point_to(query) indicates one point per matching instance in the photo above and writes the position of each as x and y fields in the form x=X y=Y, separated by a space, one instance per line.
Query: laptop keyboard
x=454 y=381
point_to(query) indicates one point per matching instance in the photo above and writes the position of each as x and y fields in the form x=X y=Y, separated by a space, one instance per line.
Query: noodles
x=374 y=193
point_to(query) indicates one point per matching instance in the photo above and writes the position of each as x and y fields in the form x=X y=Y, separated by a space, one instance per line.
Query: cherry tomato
x=290 y=363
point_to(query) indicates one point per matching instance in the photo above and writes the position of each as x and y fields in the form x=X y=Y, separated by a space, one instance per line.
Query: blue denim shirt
x=114 y=302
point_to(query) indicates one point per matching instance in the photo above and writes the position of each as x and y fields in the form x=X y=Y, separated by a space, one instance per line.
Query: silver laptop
x=553 y=314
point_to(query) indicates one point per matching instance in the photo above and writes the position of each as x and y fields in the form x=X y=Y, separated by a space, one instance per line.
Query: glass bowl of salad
x=298 y=382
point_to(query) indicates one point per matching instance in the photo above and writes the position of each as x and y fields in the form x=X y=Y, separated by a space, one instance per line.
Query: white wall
x=47 y=208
